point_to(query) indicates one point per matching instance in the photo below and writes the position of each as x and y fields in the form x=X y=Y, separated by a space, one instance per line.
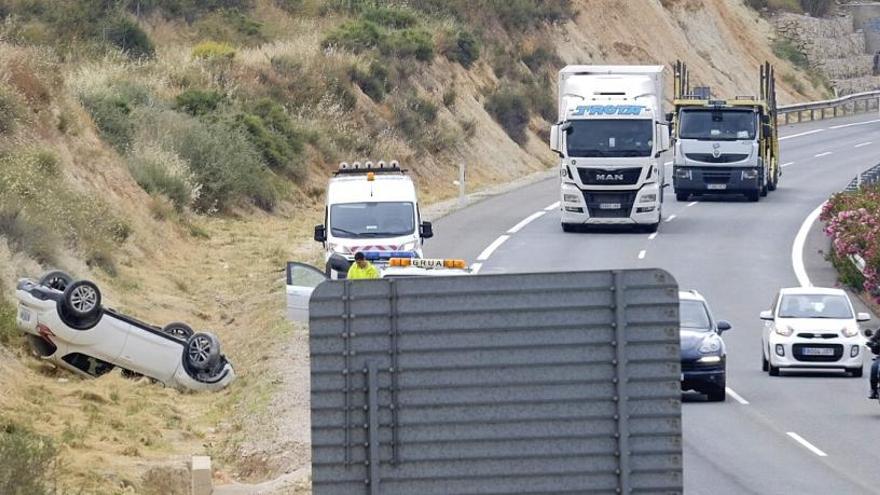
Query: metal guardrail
x=845 y=105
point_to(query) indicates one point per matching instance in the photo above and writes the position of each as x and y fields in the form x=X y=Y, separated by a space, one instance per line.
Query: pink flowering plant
x=852 y=221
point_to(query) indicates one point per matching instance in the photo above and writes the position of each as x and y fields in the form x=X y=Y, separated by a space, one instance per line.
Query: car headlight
x=709 y=359
x=710 y=345
x=648 y=198
x=849 y=332
x=570 y=198
x=784 y=330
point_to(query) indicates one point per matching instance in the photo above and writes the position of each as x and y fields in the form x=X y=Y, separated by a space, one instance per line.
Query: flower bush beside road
x=852 y=221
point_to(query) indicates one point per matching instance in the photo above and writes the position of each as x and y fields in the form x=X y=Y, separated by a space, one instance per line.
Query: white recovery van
x=609 y=137
x=371 y=208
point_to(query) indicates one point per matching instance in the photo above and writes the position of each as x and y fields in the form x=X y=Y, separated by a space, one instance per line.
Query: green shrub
x=449 y=97
x=198 y=101
x=289 y=6
x=10 y=110
x=416 y=43
x=392 y=17
x=8 y=329
x=231 y=26
x=786 y=50
x=794 y=82
x=128 y=36
x=522 y=14
x=29 y=462
x=160 y=172
x=542 y=56
x=111 y=115
x=373 y=82
x=847 y=273
x=213 y=50
x=461 y=47
x=413 y=116
x=511 y=110
x=27 y=235
x=274 y=136
x=356 y=36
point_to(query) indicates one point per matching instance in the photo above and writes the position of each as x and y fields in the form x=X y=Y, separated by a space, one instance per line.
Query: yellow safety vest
x=358 y=273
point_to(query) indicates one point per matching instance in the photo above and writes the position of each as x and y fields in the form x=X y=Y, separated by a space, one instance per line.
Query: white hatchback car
x=66 y=324
x=812 y=327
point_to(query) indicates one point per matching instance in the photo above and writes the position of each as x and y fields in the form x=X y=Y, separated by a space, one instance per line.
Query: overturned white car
x=66 y=324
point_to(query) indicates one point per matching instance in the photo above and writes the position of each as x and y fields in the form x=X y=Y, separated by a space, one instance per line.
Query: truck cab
x=609 y=137
x=371 y=207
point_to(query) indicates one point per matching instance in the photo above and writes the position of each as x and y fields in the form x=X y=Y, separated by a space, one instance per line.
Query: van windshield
x=385 y=219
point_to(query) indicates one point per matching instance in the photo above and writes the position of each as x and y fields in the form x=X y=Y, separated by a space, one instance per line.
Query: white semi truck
x=610 y=135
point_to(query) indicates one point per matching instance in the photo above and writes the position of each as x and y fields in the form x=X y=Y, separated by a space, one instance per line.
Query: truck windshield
x=717 y=125
x=610 y=138
x=381 y=219
x=693 y=315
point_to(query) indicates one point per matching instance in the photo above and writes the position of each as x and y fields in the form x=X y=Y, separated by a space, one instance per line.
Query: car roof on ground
x=825 y=291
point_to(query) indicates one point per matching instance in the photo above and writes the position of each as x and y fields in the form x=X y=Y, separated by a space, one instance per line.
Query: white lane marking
x=692 y=203
x=671 y=218
x=866 y=143
x=797 y=248
x=801 y=134
x=516 y=228
x=653 y=236
x=856 y=123
x=787 y=164
x=475 y=268
x=736 y=396
x=812 y=448
x=668 y=163
x=492 y=247
x=642 y=254
x=820 y=155
x=552 y=207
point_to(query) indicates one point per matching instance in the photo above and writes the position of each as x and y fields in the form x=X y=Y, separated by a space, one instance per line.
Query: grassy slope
x=227 y=277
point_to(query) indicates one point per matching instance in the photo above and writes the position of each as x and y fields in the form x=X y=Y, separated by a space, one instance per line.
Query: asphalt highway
x=804 y=433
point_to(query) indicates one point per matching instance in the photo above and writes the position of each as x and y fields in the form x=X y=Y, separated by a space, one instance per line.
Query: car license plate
x=24 y=315
x=609 y=206
x=817 y=351
x=716 y=186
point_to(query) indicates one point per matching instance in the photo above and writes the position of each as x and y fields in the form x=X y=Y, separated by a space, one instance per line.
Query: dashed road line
x=492 y=247
x=671 y=218
x=786 y=164
x=841 y=126
x=653 y=236
x=642 y=254
x=866 y=143
x=801 y=134
x=797 y=247
x=820 y=155
x=812 y=448
x=552 y=207
x=475 y=268
x=692 y=203
x=736 y=396
x=516 y=228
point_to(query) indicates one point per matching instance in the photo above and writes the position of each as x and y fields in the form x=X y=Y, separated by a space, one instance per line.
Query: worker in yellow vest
x=362 y=269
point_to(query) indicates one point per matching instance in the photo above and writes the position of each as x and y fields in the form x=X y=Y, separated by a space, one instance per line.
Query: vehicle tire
x=774 y=370
x=179 y=330
x=753 y=196
x=651 y=228
x=855 y=372
x=681 y=196
x=56 y=279
x=569 y=227
x=765 y=365
x=82 y=300
x=202 y=351
x=717 y=395
x=774 y=181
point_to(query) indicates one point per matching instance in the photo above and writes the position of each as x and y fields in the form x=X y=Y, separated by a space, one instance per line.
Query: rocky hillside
x=176 y=152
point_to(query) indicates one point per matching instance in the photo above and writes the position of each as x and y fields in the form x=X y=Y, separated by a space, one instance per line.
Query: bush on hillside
x=128 y=36
x=511 y=110
x=270 y=130
x=198 y=101
x=541 y=56
x=392 y=17
x=11 y=110
x=161 y=172
x=9 y=331
x=190 y=10
x=373 y=81
x=786 y=50
x=416 y=43
x=413 y=115
x=461 y=47
x=356 y=36
x=231 y=26
x=29 y=461
x=208 y=50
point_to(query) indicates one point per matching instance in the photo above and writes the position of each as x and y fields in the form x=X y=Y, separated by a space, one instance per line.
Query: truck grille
x=717 y=176
x=798 y=351
x=595 y=200
x=722 y=158
x=610 y=177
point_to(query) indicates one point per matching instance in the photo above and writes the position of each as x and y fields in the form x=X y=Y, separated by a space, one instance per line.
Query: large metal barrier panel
x=547 y=383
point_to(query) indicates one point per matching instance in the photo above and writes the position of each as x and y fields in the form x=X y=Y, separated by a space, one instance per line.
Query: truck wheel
x=775 y=181
x=753 y=196
x=764 y=189
x=681 y=196
x=202 y=351
x=651 y=227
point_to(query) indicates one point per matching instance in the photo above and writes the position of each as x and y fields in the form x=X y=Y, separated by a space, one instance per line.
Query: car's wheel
x=718 y=394
x=203 y=351
x=179 y=330
x=569 y=227
x=764 y=364
x=681 y=196
x=855 y=372
x=774 y=370
x=56 y=279
x=82 y=300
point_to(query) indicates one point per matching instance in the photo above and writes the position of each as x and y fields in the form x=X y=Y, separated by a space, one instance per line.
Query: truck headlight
x=570 y=198
x=683 y=173
x=784 y=330
x=710 y=345
x=648 y=198
x=749 y=174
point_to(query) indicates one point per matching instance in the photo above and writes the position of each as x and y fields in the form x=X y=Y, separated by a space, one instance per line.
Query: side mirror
x=426 y=230
x=765 y=119
x=670 y=116
x=767 y=315
x=723 y=326
x=863 y=317
x=320 y=233
x=555 y=144
x=663 y=134
x=869 y=333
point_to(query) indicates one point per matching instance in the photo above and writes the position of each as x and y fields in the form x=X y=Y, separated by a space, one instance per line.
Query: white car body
x=805 y=338
x=115 y=340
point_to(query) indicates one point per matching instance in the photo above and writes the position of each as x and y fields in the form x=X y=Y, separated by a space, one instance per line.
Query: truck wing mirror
x=670 y=116
x=426 y=230
x=555 y=141
x=320 y=233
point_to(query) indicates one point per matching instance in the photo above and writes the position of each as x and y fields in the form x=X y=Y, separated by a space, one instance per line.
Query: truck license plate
x=817 y=351
x=609 y=206
x=716 y=186
x=24 y=315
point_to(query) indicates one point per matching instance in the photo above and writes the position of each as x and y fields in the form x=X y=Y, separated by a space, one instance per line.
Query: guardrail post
x=462 y=189
x=835 y=111
x=786 y=117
